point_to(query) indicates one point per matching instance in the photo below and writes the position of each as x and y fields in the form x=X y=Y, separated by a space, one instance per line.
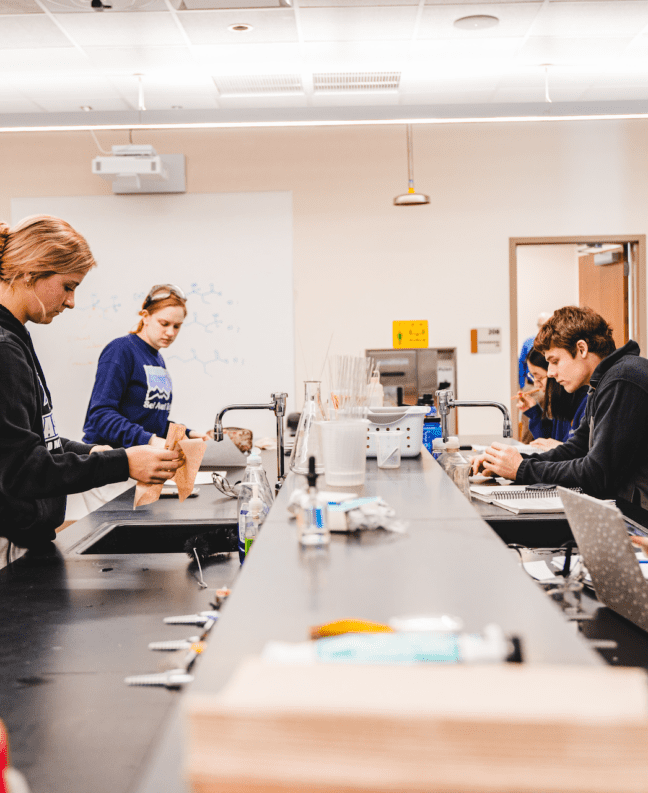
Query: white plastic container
x=407 y=419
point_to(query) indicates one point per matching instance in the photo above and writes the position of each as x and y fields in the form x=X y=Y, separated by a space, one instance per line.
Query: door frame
x=638 y=291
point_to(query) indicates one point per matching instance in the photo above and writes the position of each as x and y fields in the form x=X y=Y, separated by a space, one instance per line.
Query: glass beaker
x=307 y=438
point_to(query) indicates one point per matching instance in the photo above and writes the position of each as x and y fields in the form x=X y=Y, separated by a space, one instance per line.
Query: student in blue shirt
x=132 y=393
x=558 y=418
x=524 y=377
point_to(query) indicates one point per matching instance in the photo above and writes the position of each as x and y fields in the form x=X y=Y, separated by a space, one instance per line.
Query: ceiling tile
x=122 y=29
x=203 y=5
x=534 y=95
x=613 y=93
x=271 y=58
x=71 y=104
x=18 y=105
x=170 y=101
x=460 y=49
x=135 y=60
x=356 y=3
x=622 y=18
x=358 y=24
x=211 y=27
x=113 y=7
x=22 y=32
x=441 y=97
x=18 y=7
x=355 y=99
x=571 y=50
x=361 y=56
x=515 y=19
x=296 y=100
x=36 y=60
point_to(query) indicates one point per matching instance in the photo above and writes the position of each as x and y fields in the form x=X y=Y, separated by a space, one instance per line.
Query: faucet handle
x=279 y=399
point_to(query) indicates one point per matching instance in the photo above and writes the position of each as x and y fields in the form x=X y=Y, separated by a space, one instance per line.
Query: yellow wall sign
x=412 y=333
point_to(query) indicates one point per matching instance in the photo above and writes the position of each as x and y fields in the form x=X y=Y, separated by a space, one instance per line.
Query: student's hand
x=157 y=443
x=544 y=444
x=150 y=465
x=100 y=449
x=499 y=459
x=203 y=436
x=524 y=401
x=640 y=542
x=479 y=466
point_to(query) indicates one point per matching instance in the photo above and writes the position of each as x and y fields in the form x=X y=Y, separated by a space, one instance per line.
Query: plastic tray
x=407 y=418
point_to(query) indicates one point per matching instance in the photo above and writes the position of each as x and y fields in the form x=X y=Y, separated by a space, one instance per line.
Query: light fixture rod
x=410 y=159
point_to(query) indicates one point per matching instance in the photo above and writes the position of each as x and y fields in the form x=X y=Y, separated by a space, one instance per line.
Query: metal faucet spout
x=278 y=406
x=446 y=401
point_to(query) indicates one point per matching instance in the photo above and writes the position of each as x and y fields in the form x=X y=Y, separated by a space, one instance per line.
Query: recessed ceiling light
x=476 y=22
x=87 y=108
x=240 y=27
x=176 y=107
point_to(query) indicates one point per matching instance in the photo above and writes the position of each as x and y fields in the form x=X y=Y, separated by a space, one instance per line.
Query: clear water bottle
x=451 y=456
x=438 y=447
x=254 y=502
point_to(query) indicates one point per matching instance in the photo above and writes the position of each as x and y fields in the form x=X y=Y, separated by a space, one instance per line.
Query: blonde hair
x=41 y=246
x=158 y=305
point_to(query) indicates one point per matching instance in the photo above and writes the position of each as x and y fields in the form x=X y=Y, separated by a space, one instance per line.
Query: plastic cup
x=388 y=448
x=344 y=448
x=461 y=478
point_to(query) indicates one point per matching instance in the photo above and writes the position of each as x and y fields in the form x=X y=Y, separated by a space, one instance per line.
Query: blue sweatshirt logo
x=158 y=383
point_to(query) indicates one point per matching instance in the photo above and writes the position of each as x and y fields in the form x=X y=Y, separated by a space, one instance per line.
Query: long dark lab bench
x=76 y=624
x=449 y=562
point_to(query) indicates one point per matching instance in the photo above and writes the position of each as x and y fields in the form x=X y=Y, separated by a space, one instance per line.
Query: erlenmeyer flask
x=307 y=441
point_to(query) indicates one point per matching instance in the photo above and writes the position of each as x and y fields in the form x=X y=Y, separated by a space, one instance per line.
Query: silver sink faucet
x=278 y=405
x=446 y=401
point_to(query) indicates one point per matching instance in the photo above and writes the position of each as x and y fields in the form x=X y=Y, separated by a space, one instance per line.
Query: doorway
x=607 y=273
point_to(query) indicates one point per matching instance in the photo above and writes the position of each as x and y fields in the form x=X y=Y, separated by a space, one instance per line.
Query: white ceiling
x=59 y=56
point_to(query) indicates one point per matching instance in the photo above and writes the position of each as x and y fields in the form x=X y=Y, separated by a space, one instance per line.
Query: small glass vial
x=312 y=517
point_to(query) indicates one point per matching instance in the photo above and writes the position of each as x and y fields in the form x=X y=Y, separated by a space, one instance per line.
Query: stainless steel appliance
x=417 y=371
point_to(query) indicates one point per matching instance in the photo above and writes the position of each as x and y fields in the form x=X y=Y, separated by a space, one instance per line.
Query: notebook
x=519 y=498
x=601 y=534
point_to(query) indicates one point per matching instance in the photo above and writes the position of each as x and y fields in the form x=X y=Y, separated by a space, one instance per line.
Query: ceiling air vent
x=246 y=85
x=356 y=81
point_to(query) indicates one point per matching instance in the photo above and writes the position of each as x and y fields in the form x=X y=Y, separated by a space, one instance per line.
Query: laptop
x=601 y=533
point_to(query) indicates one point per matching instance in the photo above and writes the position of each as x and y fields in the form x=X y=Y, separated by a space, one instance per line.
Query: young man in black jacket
x=607 y=455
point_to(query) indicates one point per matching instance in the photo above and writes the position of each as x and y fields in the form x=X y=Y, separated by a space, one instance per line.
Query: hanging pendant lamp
x=411 y=197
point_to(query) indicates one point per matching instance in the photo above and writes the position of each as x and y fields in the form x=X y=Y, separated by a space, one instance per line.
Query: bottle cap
x=453 y=442
x=254 y=457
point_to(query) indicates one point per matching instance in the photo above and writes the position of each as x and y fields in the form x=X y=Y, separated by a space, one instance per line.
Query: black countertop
x=74 y=625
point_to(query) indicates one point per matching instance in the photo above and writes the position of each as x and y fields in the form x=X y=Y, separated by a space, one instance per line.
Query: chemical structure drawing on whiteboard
x=114 y=314
x=195 y=357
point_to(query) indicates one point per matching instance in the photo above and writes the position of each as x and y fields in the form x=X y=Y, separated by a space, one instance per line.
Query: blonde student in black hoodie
x=42 y=262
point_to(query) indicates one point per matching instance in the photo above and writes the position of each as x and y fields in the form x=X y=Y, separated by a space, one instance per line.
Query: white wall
x=547 y=279
x=360 y=262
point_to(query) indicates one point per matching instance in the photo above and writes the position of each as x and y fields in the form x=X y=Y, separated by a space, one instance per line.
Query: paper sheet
x=148 y=494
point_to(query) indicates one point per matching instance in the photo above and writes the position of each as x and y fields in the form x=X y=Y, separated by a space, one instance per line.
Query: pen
x=519 y=393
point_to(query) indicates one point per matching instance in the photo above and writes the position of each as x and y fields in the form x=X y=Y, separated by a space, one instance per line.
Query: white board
x=232 y=255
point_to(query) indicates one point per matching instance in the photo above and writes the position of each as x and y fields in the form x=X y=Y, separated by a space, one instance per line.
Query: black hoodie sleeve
x=27 y=469
x=620 y=436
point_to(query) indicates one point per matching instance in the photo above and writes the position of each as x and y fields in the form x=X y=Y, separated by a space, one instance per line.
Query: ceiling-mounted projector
x=140 y=169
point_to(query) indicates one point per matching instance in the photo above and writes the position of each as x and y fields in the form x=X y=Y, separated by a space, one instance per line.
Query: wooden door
x=604 y=287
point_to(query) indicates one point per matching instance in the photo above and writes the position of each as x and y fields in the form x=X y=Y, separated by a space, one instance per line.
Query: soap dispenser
x=312 y=516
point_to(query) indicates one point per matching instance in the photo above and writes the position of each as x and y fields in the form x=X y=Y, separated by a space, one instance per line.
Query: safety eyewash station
x=346 y=617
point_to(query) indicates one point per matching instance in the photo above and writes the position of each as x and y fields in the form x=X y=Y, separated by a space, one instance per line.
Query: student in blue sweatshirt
x=132 y=393
x=555 y=420
x=42 y=262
